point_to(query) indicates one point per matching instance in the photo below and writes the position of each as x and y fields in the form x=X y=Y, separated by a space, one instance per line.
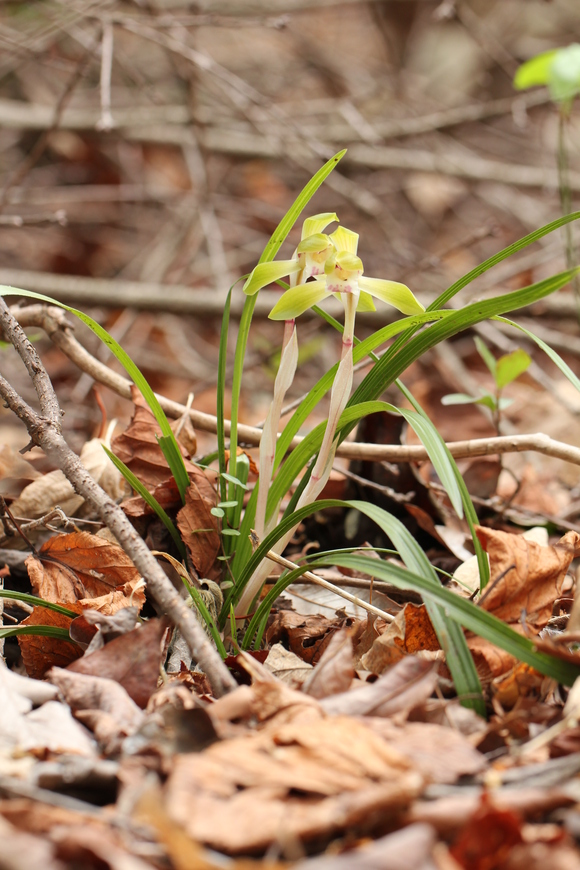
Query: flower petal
x=299 y=299
x=317 y=223
x=365 y=302
x=345 y=240
x=393 y=293
x=314 y=244
x=265 y=273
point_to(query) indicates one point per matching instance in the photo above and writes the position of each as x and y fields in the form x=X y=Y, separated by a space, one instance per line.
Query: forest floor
x=147 y=153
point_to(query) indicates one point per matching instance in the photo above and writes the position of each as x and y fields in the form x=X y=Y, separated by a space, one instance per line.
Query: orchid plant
x=333 y=263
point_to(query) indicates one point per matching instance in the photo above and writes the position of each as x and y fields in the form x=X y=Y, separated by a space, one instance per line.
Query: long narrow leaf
x=555 y=357
x=168 y=442
x=139 y=488
x=38 y=630
x=34 y=601
x=460 y=487
x=274 y=244
x=465 y=613
x=459 y=659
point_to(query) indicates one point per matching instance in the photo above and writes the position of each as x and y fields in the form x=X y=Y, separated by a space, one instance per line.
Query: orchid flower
x=308 y=260
x=342 y=275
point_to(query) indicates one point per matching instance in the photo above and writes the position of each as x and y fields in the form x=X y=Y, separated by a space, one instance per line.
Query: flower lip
x=343 y=261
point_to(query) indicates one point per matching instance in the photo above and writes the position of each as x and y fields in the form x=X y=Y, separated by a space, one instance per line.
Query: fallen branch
x=53 y=321
x=44 y=430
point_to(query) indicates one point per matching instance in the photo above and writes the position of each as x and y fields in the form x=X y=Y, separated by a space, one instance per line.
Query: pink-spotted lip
x=340 y=288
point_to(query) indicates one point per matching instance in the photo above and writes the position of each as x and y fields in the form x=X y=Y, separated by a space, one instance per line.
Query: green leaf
x=535 y=71
x=465 y=613
x=511 y=366
x=34 y=601
x=564 y=74
x=168 y=442
x=38 y=631
x=206 y=616
x=235 y=480
x=555 y=357
x=463 y=399
x=217 y=512
x=486 y=355
x=149 y=499
x=274 y=244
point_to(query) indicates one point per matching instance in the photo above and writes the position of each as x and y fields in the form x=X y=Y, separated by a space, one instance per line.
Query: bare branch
x=47 y=435
x=54 y=322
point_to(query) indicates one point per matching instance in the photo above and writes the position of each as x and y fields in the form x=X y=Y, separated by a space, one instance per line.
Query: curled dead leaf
x=81 y=566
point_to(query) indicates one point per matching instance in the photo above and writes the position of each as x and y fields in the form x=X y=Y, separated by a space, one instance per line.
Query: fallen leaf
x=334 y=672
x=307 y=636
x=198 y=526
x=54 y=490
x=102 y=704
x=408 y=683
x=441 y=754
x=286 y=666
x=39 y=653
x=133 y=660
x=410 y=632
x=82 y=566
x=524 y=575
x=139 y=448
x=166 y=494
x=15 y=472
x=302 y=782
x=488 y=838
x=410 y=847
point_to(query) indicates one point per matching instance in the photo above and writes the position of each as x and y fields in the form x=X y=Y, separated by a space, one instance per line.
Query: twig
x=40 y=146
x=106 y=122
x=45 y=431
x=53 y=321
x=342 y=593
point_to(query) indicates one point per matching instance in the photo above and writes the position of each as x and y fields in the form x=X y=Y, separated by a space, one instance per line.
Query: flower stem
x=323 y=465
x=284 y=378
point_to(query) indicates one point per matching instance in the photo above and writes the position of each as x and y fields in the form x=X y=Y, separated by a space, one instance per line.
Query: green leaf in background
x=511 y=366
x=38 y=631
x=535 y=71
x=559 y=69
x=486 y=355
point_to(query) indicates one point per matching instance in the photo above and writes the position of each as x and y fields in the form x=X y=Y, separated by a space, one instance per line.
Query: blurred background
x=149 y=148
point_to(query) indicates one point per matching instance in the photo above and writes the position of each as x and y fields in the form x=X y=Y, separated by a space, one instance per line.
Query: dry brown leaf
x=102 y=704
x=198 y=526
x=39 y=653
x=296 y=783
x=334 y=672
x=524 y=575
x=82 y=566
x=166 y=494
x=53 y=489
x=408 y=683
x=139 y=448
x=15 y=472
x=286 y=666
x=409 y=633
x=409 y=848
x=307 y=636
x=441 y=754
x=133 y=660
